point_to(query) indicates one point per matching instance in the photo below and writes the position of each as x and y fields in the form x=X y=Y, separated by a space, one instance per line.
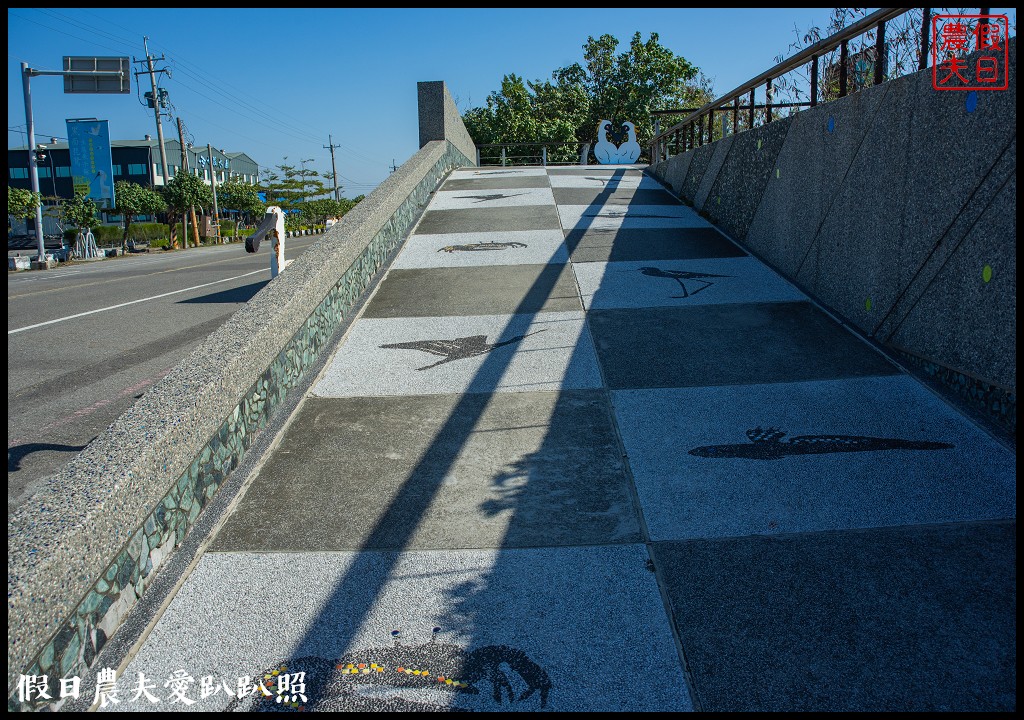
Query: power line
x=91 y=41
x=287 y=128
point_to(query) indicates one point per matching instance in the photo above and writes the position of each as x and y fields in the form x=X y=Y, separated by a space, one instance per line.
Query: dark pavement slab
x=618 y=244
x=904 y=619
x=530 y=217
x=496 y=183
x=727 y=345
x=489 y=290
x=512 y=470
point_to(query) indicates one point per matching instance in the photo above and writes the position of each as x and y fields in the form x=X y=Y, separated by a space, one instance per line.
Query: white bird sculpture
x=629 y=151
x=605 y=151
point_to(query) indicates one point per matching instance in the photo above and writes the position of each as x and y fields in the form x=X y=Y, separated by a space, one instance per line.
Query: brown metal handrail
x=840 y=39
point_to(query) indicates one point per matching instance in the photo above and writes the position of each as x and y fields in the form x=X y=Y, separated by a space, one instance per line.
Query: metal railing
x=697 y=128
x=501 y=154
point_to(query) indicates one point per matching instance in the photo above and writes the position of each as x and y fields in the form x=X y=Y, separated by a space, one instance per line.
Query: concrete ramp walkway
x=580 y=451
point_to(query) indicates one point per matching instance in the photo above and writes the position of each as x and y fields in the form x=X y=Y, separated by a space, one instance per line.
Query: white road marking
x=133 y=302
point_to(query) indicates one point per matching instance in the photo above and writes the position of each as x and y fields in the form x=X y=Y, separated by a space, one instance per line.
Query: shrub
x=147 y=232
x=107 y=234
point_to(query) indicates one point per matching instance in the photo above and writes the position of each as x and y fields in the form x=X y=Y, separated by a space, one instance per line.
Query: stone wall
x=896 y=208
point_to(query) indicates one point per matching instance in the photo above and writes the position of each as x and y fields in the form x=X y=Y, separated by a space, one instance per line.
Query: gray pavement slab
x=482 y=353
x=680 y=284
x=437 y=472
x=484 y=199
x=727 y=345
x=598 y=197
x=530 y=247
x=797 y=457
x=907 y=619
x=583 y=628
x=485 y=290
x=530 y=217
x=495 y=182
x=618 y=243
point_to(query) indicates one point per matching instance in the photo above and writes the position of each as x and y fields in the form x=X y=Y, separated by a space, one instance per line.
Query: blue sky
x=274 y=83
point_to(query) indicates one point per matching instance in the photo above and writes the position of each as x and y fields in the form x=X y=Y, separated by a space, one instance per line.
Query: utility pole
x=334 y=171
x=158 y=101
x=213 y=184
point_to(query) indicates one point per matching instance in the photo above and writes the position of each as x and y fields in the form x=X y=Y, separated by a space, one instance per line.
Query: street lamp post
x=95 y=76
x=33 y=166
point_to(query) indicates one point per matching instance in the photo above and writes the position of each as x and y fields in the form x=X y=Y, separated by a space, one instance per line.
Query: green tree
x=629 y=85
x=291 y=186
x=606 y=85
x=185 y=191
x=316 y=212
x=241 y=197
x=135 y=200
x=78 y=212
x=21 y=203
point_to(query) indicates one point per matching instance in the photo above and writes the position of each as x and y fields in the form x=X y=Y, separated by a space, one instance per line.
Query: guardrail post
x=277 y=261
x=690 y=126
x=814 y=81
x=768 y=101
x=711 y=126
x=926 y=28
x=751 y=108
x=735 y=114
x=844 y=56
x=880 y=53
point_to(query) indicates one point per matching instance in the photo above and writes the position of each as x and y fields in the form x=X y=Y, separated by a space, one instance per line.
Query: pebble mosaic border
x=994 y=402
x=75 y=645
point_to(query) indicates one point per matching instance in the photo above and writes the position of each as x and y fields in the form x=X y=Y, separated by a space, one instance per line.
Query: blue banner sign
x=89 y=145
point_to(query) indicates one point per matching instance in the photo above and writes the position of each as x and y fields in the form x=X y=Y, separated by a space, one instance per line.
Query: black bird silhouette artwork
x=488 y=198
x=767 y=444
x=476 y=247
x=395 y=678
x=457 y=349
x=681 y=277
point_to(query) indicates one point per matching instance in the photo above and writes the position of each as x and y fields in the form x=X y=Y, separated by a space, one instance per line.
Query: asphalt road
x=69 y=377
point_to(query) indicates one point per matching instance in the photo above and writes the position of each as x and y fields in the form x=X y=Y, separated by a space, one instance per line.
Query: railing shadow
x=375 y=563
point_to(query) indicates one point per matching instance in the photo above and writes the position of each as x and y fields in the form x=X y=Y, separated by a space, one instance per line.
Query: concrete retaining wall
x=85 y=548
x=440 y=118
x=887 y=206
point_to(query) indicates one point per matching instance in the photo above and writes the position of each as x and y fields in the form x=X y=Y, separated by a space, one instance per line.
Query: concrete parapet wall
x=896 y=208
x=87 y=545
x=440 y=119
